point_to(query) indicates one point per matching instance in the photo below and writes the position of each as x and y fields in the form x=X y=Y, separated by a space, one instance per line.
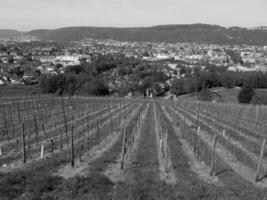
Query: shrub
x=205 y=95
x=158 y=89
x=246 y=94
x=178 y=87
x=95 y=87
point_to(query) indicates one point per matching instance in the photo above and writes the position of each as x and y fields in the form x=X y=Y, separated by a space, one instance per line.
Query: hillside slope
x=202 y=33
x=7 y=33
x=228 y=95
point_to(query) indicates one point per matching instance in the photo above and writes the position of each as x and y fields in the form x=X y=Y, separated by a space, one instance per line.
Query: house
x=2 y=82
x=45 y=59
x=67 y=60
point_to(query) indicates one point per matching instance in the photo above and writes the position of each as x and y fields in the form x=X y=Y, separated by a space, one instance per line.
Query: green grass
x=19 y=90
x=225 y=95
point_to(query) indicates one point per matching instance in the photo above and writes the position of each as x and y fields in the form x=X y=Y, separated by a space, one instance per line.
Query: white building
x=67 y=60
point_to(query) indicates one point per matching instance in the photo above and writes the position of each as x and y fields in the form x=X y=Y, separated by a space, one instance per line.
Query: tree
x=76 y=69
x=2 y=47
x=182 y=70
x=11 y=59
x=235 y=56
x=227 y=79
x=18 y=71
x=158 y=89
x=246 y=94
x=178 y=87
x=205 y=95
x=95 y=87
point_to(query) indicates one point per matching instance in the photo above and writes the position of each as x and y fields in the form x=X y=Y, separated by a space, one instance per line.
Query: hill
x=201 y=33
x=7 y=33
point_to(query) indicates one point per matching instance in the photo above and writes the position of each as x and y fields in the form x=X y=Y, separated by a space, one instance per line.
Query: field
x=19 y=90
x=225 y=95
x=112 y=148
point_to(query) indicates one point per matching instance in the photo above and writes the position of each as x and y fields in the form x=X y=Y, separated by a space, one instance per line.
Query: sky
x=27 y=15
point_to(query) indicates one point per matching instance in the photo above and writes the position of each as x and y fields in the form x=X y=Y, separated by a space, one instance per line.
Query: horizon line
x=122 y=27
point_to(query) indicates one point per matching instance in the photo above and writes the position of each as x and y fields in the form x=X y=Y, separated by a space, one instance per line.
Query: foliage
x=178 y=87
x=205 y=95
x=218 y=78
x=72 y=84
x=246 y=94
x=235 y=56
x=94 y=87
x=158 y=89
x=17 y=71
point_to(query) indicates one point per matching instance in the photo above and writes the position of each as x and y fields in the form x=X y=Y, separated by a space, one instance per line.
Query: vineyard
x=113 y=148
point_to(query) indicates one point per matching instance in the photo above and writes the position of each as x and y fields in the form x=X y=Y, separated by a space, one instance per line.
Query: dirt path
x=114 y=171
x=142 y=179
x=202 y=170
x=165 y=163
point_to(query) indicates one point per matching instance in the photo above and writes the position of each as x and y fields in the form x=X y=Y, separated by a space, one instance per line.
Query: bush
x=49 y=83
x=246 y=94
x=62 y=83
x=95 y=87
x=76 y=69
x=205 y=95
x=158 y=89
x=178 y=87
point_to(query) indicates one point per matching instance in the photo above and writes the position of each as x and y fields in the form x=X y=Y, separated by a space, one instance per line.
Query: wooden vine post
x=19 y=116
x=81 y=151
x=61 y=140
x=184 y=127
x=257 y=116
x=6 y=126
x=72 y=148
x=166 y=150
x=228 y=143
x=23 y=143
x=213 y=156
x=260 y=160
x=123 y=149
x=98 y=133
x=35 y=128
x=197 y=130
x=52 y=146
x=42 y=151
x=65 y=121
x=88 y=145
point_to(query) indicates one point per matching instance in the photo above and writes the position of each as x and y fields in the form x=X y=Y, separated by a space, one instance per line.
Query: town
x=23 y=60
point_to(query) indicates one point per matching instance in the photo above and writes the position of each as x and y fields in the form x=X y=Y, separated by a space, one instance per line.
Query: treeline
x=84 y=79
x=144 y=77
x=127 y=74
x=217 y=78
x=73 y=84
